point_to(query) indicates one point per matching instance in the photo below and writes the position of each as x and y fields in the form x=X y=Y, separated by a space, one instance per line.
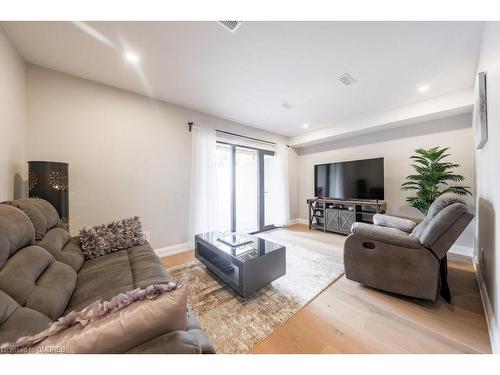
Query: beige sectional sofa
x=43 y=275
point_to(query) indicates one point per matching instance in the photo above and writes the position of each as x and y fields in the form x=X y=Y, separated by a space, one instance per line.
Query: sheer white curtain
x=203 y=192
x=280 y=204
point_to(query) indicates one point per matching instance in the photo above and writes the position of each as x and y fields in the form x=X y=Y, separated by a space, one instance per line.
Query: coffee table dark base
x=243 y=277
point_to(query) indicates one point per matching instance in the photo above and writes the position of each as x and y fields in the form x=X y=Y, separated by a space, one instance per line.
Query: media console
x=338 y=215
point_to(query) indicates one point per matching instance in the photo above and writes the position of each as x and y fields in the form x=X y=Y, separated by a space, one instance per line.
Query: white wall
x=128 y=154
x=488 y=183
x=12 y=122
x=395 y=146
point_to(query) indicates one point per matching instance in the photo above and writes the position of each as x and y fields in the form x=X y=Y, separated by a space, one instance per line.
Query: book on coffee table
x=234 y=239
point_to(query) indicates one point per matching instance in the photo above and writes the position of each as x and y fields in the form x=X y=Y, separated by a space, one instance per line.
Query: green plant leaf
x=432 y=174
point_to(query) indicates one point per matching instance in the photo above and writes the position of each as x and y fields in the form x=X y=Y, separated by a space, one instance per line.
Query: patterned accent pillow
x=107 y=238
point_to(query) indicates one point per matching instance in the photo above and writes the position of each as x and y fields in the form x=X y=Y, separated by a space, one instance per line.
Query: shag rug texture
x=235 y=324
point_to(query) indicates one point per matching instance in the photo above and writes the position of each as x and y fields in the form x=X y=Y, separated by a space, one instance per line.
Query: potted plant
x=433 y=178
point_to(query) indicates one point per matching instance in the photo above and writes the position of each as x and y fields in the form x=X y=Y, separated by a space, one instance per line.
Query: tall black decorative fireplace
x=49 y=180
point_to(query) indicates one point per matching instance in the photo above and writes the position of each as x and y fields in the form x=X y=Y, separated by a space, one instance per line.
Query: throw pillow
x=107 y=238
x=126 y=321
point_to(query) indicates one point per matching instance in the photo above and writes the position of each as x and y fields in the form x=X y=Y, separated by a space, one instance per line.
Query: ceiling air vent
x=230 y=25
x=346 y=79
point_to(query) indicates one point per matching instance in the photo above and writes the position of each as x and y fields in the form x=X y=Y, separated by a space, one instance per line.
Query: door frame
x=261 y=194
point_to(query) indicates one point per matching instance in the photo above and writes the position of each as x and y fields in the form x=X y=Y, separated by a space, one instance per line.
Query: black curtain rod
x=191 y=124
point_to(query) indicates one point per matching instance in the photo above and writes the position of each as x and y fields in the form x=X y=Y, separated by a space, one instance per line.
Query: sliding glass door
x=244 y=193
x=246 y=189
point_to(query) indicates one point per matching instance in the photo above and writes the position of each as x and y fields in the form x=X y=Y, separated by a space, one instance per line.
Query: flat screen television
x=358 y=179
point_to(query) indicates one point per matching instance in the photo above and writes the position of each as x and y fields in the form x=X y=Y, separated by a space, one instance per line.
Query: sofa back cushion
x=41 y=213
x=65 y=249
x=48 y=232
x=16 y=232
x=34 y=279
x=17 y=321
x=34 y=287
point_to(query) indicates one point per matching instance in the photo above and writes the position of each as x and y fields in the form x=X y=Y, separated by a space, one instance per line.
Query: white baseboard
x=298 y=221
x=173 y=249
x=493 y=328
x=462 y=250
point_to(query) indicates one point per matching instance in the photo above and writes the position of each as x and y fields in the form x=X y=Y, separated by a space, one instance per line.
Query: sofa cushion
x=101 y=277
x=110 y=274
x=17 y=321
x=22 y=270
x=59 y=243
x=16 y=231
x=7 y=306
x=53 y=290
x=41 y=213
x=34 y=279
x=146 y=267
x=23 y=322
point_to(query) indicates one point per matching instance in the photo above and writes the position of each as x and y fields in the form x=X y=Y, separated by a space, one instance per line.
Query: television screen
x=358 y=179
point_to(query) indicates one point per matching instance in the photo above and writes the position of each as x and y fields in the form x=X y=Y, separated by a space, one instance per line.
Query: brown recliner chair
x=400 y=256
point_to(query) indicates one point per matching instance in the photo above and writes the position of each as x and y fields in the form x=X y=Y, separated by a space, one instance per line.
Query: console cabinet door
x=332 y=219
x=346 y=219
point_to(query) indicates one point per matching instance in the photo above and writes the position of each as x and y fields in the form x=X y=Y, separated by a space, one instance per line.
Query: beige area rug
x=236 y=325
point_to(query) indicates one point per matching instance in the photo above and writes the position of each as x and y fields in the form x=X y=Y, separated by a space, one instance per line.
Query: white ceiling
x=246 y=76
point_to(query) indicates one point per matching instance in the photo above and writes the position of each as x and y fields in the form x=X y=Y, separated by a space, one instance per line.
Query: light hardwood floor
x=350 y=318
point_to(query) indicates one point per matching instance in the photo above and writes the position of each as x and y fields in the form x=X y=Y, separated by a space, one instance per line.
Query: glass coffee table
x=245 y=268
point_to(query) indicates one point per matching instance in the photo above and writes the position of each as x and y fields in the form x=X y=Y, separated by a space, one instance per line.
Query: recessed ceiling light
x=132 y=57
x=305 y=126
x=424 y=88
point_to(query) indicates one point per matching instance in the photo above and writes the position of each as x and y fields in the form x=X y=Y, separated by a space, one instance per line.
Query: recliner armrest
x=384 y=234
x=389 y=221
